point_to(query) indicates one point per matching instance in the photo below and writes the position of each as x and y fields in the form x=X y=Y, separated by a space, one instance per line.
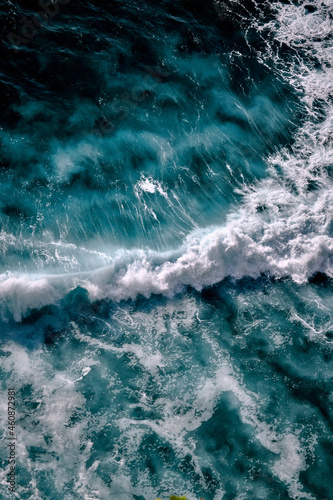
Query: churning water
x=166 y=251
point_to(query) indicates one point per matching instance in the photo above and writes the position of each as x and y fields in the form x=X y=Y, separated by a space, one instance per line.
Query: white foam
x=18 y=294
x=180 y=416
x=150 y=185
x=310 y=34
x=58 y=425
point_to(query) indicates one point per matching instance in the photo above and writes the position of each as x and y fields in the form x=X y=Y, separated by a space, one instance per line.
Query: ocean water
x=166 y=250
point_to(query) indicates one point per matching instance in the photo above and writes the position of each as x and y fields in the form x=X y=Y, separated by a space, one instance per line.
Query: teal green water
x=166 y=251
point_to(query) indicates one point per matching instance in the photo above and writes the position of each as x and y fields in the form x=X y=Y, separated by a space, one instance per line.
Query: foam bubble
x=149 y=185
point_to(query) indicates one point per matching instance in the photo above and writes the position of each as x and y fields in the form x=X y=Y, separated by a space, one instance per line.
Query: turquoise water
x=166 y=251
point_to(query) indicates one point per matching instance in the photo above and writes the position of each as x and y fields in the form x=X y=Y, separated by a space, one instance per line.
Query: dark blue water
x=166 y=249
